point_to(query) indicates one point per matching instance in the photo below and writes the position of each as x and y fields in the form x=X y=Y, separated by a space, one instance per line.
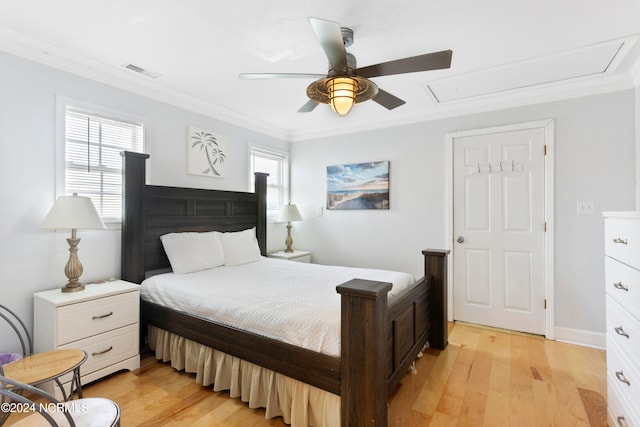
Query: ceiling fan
x=345 y=85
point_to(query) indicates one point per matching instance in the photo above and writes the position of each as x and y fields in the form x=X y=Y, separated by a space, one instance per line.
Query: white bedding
x=290 y=301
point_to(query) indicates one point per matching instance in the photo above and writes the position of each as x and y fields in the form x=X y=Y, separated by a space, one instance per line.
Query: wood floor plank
x=498 y=395
x=485 y=377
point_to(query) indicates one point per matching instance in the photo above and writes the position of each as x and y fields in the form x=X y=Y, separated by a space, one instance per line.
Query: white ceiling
x=504 y=52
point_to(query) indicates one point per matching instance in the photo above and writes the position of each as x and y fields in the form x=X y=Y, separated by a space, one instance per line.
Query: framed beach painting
x=358 y=186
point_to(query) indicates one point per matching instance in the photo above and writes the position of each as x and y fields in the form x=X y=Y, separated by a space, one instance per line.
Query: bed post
x=363 y=384
x=435 y=270
x=132 y=245
x=261 y=220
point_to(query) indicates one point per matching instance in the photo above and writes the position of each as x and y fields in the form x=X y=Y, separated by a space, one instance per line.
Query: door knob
x=459 y=239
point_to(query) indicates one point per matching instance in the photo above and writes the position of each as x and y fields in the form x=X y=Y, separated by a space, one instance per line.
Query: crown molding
x=41 y=52
x=482 y=104
x=44 y=53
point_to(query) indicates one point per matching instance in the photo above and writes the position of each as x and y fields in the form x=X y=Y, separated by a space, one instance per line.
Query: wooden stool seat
x=51 y=365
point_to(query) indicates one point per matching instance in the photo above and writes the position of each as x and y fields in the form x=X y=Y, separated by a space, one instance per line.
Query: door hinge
x=545 y=303
x=545 y=149
x=545 y=226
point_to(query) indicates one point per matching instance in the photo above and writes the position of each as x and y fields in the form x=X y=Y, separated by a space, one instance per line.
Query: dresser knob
x=620 y=240
x=622 y=378
x=621 y=331
x=619 y=285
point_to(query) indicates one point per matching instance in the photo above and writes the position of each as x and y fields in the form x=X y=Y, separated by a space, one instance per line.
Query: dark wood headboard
x=150 y=211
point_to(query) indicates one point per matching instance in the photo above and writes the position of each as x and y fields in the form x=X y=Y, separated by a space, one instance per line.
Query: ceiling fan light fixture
x=341 y=92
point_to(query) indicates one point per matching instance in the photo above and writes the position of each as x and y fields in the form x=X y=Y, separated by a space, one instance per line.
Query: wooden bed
x=376 y=336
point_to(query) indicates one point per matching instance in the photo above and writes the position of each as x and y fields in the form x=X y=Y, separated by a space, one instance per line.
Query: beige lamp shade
x=73 y=212
x=289 y=213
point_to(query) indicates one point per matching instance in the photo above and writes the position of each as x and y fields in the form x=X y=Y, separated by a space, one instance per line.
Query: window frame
x=283 y=185
x=62 y=103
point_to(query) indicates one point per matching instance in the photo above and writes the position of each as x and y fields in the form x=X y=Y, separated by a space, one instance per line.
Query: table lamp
x=73 y=213
x=287 y=214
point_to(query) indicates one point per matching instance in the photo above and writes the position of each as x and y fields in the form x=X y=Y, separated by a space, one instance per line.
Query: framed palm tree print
x=206 y=153
x=358 y=186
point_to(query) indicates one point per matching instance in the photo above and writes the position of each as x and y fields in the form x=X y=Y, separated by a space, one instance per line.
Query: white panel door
x=498 y=227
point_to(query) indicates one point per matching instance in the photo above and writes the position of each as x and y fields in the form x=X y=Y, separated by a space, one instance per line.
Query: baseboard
x=581 y=337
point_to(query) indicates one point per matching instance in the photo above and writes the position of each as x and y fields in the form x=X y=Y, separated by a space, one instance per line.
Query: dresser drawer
x=622 y=240
x=621 y=412
x=623 y=285
x=622 y=374
x=623 y=329
x=108 y=348
x=77 y=321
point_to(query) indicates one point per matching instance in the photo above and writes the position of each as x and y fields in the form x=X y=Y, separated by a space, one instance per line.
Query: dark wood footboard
x=379 y=337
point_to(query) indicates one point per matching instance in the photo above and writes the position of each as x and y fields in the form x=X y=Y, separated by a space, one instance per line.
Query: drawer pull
x=622 y=378
x=621 y=331
x=620 y=240
x=98 y=353
x=619 y=285
x=621 y=421
x=103 y=316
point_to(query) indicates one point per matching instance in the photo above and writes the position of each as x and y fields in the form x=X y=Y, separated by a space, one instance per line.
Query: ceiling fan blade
x=426 y=62
x=329 y=34
x=308 y=107
x=280 y=76
x=387 y=100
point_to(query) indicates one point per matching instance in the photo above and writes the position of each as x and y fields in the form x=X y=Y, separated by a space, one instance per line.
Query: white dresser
x=622 y=275
x=103 y=320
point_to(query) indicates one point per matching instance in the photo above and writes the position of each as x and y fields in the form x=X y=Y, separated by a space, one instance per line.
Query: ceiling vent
x=142 y=71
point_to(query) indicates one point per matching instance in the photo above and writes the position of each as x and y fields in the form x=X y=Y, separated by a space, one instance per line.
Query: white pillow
x=189 y=252
x=240 y=247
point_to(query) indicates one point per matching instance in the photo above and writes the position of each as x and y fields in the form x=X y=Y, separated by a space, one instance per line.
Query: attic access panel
x=560 y=68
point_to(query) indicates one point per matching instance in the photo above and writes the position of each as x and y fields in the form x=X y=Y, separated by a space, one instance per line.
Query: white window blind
x=276 y=165
x=93 y=165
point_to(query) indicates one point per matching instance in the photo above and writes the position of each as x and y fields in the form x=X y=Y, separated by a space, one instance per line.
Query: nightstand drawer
x=623 y=285
x=107 y=348
x=77 y=321
x=622 y=240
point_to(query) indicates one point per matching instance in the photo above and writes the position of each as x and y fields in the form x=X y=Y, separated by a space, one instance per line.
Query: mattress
x=293 y=302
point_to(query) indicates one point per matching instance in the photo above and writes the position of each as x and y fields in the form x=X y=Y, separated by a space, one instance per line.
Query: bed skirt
x=298 y=403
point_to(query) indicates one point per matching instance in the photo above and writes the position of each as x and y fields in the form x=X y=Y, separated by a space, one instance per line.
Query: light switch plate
x=586 y=208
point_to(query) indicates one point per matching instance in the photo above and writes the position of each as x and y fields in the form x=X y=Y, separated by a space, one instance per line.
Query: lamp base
x=73 y=269
x=288 y=241
x=70 y=287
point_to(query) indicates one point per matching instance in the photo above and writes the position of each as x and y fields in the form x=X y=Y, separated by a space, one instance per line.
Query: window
x=276 y=164
x=92 y=161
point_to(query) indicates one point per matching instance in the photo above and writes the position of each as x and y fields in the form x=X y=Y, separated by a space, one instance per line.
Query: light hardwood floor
x=485 y=377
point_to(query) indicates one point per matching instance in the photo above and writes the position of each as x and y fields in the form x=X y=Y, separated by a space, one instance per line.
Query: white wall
x=595 y=156
x=595 y=161
x=32 y=259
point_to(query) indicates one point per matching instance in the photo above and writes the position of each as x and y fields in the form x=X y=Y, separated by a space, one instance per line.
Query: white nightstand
x=103 y=320
x=299 y=256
